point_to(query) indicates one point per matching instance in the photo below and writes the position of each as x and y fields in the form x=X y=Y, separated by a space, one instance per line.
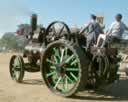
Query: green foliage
x=10 y=41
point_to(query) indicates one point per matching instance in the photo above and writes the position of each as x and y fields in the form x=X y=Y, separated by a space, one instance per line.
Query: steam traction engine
x=65 y=65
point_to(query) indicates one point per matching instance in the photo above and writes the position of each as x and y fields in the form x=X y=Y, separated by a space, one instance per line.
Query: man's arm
x=84 y=29
x=91 y=28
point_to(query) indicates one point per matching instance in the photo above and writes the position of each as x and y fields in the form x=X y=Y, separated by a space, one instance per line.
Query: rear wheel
x=57 y=30
x=64 y=68
x=98 y=71
x=17 y=68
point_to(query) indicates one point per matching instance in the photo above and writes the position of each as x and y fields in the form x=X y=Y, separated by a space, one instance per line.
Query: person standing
x=93 y=30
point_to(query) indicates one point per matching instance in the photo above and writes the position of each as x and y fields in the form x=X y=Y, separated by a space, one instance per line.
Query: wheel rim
x=16 y=67
x=57 y=30
x=61 y=70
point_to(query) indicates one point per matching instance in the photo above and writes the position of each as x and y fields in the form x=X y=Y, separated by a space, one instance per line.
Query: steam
x=11 y=13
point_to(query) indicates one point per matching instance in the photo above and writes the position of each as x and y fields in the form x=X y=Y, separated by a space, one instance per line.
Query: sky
x=72 y=12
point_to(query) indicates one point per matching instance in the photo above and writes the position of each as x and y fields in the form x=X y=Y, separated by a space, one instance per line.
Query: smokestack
x=33 y=22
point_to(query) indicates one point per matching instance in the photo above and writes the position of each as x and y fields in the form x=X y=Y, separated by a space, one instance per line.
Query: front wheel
x=64 y=68
x=16 y=68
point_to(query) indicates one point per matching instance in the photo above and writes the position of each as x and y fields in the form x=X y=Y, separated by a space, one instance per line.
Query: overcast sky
x=14 y=12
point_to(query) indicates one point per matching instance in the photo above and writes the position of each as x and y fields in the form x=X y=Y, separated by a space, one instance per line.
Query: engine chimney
x=33 y=22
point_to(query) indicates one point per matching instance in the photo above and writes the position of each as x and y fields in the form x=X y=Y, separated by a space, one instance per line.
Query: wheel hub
x=60 y=69
x=16 y=68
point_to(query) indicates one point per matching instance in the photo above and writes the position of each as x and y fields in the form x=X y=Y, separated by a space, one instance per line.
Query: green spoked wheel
x=16 y=68
x=98 y=70
x=63 y=68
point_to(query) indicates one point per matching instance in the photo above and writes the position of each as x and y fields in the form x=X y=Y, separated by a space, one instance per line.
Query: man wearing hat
x=93 y=31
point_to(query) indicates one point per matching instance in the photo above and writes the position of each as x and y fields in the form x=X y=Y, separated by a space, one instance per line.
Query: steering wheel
x=57 y=30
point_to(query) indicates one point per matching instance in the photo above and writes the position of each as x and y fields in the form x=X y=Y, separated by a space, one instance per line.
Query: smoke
x=11 y=12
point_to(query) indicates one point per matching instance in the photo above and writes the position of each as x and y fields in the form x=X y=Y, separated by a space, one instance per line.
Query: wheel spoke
x=73 y=76
x=14 y=75
x=62 y=55
x=50 y=74
x=17 y=61
x=54 y=30
x=55 y=59
x=72 y=69
x=66 y=82
x=52 y=67
x=66 y=52
x=56 y=52
x=74 y=62
x=50 y=61
x=55 y=77
x=63 y=84
x=13 y=65
x=58 y=81
x=68 y=60
x=13 y=68
x=61 y=29
x=17 y=75
x=100 y=67
x=69 y=78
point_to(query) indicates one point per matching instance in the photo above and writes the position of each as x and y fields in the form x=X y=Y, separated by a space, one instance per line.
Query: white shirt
x=117 y=29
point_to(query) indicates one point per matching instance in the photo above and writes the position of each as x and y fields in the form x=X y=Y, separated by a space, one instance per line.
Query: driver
x=93 y=31
x=116 y=30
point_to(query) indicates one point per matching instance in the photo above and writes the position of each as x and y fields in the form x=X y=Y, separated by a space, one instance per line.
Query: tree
x=8 y=41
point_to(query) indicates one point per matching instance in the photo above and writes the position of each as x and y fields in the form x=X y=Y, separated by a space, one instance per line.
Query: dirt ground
x=34 y=90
